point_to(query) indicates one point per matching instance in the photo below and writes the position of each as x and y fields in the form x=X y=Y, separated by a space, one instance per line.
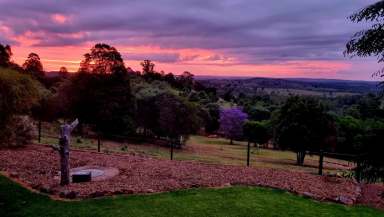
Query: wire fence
x=48 y=133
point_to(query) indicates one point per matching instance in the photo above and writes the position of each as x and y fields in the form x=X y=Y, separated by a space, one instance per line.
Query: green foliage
x=101 y=100
x=212 y=123
x=350 y=131
x=19 y=131
x=369 y=42
x=257 y=113
x=177 y=116
x=257 y=131
x=372 y=164
x=18 y=94
x=303 y=125
x=363 y=138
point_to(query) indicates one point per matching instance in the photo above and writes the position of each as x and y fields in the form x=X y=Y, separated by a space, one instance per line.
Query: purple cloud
x=256 y=31
x=157 y=57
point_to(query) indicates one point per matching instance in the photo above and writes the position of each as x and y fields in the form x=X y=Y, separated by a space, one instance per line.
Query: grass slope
x=211 y=150
x=236 y=201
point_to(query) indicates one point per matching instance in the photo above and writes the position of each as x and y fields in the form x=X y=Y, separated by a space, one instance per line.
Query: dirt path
x=37 y=166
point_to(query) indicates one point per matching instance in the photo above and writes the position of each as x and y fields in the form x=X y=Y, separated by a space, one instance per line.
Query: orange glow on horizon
x=197 y=61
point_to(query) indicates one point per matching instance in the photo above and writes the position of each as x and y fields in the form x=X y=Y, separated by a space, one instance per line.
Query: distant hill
x=52 y=74
x=301 y=86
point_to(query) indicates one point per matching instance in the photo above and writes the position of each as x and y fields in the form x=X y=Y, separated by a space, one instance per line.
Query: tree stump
x=65 y=133
x=64 y=161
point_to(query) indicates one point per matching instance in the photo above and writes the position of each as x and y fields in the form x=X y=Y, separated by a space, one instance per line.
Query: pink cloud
x=59 y=18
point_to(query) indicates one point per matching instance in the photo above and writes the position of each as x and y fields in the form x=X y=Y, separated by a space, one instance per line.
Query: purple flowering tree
x=231 y=123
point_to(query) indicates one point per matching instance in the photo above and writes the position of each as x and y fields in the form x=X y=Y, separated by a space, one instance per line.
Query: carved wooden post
x=65 y=133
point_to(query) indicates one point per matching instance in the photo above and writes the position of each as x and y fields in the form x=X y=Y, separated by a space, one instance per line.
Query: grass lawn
x=235 y=201
x=211 y=150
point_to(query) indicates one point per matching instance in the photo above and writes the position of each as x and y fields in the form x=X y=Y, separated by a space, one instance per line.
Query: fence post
x=248 y=152
x=171 y=150
x=98 y=143
x=321 y=160
x=39 y=129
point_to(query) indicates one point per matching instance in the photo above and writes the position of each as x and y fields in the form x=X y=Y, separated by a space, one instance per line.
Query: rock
x=308 y=194
x=227 y=185
x=46 y=189
x=97 y=194
x=123 y=192
x=68 y=194
x=14 y=175
x=345 y=200
x=195 y=185
x=36 y=186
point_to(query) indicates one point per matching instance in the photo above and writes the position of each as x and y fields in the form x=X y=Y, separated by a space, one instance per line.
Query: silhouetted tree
x=170 y=78
x=177 y=117
x=5 y=55
x=147 y=113
x=33 y=66
x=103 y=59
x=212 y=124
x=258 y=113
x=149 y=73
x=350 y=132
x=256 y=131
x=372 y=164
x=148 y=67
x=63 y=72
x=186 y=80
x=85 y=64
x=303 y=125
x=369 y=42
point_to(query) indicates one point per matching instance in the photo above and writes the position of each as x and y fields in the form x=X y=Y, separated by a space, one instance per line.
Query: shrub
x=19 y=132
x=18 y=94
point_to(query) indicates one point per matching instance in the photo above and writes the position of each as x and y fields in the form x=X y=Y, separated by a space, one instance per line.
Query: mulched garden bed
x=37 y=167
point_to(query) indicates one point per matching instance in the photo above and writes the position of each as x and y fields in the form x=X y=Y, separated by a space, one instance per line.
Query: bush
x=19 y=132
x=18 y=94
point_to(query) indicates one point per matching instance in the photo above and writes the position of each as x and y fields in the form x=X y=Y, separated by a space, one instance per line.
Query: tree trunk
x=64 y=161
x=300 y=155
x=298 y=158
x=231 y=141
x=302 y=158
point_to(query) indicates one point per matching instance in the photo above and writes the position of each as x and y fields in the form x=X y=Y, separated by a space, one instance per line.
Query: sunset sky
x=279 y=38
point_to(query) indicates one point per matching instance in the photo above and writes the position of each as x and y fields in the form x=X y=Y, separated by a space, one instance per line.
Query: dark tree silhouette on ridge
x=369 y=42
x=5 y=55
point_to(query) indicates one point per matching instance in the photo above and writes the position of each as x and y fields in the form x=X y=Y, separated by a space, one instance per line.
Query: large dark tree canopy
x=33 y=66
x=369 y=42
x=303 y=125
x=103 y=59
